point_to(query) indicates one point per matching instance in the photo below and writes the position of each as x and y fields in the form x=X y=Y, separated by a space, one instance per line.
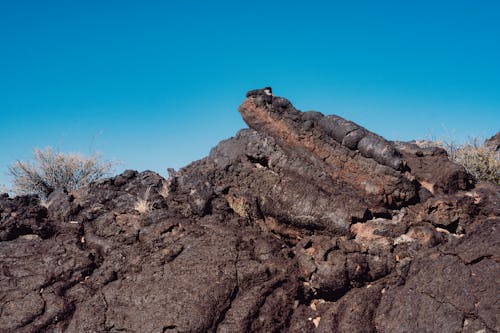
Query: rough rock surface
x=493 y=142
x=302 y=223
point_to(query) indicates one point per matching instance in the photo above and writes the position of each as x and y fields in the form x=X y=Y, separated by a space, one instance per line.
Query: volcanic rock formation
x=301 y=223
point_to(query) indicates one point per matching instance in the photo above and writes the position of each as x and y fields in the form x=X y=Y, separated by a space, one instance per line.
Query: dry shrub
x=480 y=161
x=53 y=170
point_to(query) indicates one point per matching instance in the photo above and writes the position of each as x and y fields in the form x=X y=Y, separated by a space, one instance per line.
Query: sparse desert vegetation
x=143 y=204
x=51 y=170
x=479 y=160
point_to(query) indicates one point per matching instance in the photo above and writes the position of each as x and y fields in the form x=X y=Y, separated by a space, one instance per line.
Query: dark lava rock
x=302 y=223
x=493 y=142
x=435 y=173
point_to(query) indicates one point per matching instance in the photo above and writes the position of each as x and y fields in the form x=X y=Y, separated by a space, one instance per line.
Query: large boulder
x=301 y=223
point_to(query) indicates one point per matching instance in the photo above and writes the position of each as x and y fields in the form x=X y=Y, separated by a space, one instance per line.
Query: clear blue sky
x=156 y=84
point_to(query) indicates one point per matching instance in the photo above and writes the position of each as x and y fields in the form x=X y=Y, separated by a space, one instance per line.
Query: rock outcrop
x=493 y=142
x=301 y=223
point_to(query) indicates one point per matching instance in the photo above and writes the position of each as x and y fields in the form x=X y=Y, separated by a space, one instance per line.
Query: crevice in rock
x=462 y=311
x=232 y=295
x=41 y=324
x=82 y=245
x=452 y=227
x=478 y=260
x=105 y=314
x=44 y=232
x=36 y=316
x=331 y=296
x=169 y=229
x=174 y=254
x=255 y=314
x=222 y=314
x=262 y=161
x=465 y=262
x=282 y=230
x=383 y=215
x=327 y=252
x=367 y=216
x=402 y=272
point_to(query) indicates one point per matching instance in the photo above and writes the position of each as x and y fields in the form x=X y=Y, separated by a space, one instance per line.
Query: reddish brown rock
x=435 y=172
x=304 y=223
x=371 y=167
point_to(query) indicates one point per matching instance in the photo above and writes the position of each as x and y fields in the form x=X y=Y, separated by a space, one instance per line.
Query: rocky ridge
x=301 y=223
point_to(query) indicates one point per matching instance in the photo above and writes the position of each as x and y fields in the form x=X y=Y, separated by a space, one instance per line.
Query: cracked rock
x=303 y=222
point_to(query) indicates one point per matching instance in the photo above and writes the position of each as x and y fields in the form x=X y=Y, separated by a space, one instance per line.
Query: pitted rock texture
x=436 y=174
x=367 y=163
x=303 y=223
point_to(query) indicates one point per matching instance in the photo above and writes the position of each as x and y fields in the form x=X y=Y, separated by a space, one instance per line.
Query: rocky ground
x=301 y=223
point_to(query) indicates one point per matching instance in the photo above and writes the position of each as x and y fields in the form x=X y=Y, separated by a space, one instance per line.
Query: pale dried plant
x=479 y=160
x=143 y=204
x=52 y=170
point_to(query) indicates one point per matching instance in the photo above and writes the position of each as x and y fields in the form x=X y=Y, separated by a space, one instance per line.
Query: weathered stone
x=434 y=170
x=304 y=223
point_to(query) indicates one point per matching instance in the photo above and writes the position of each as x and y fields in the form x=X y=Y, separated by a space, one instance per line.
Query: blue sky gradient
x=156 y=84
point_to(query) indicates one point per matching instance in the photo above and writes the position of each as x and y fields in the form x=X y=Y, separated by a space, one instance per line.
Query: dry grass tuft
x=143 y=204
